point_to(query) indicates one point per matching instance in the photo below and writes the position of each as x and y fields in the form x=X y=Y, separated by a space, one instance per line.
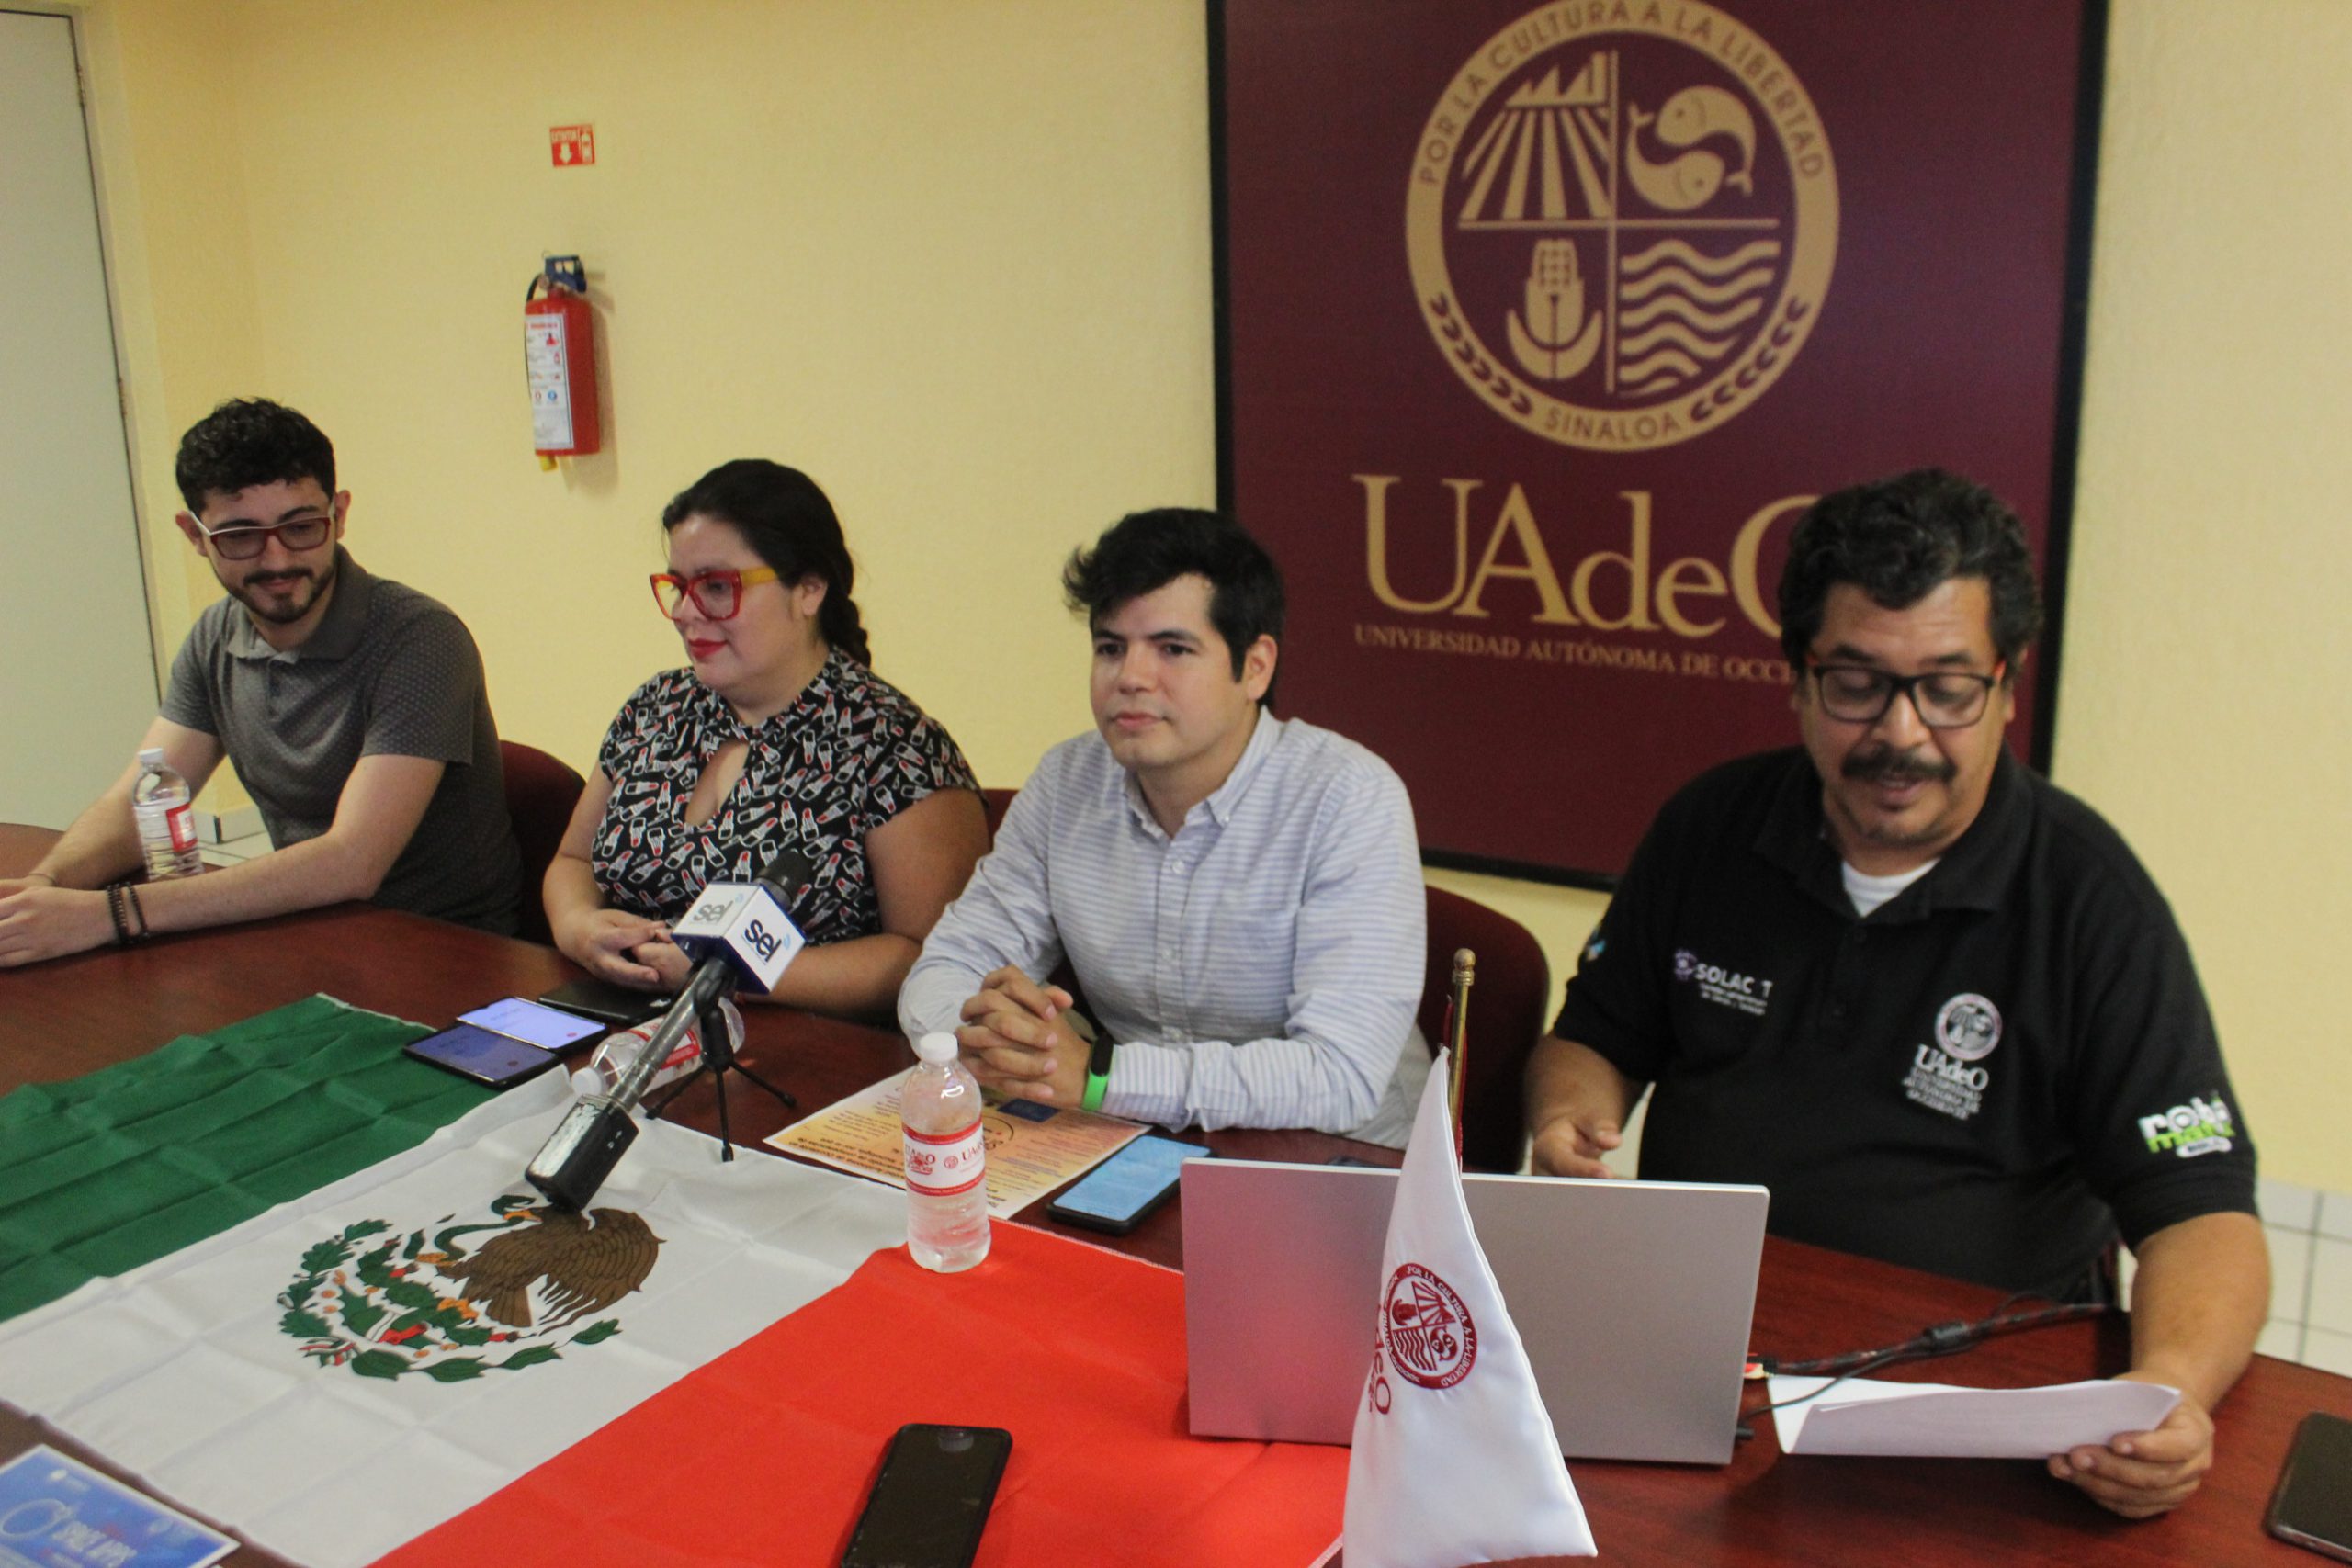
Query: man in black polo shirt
x=1927 y=999
x=353 y=707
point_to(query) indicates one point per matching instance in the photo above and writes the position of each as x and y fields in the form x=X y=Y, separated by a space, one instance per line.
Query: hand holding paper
x=1863 y=1416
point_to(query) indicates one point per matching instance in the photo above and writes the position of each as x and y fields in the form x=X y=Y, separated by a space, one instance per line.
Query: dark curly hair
x=1145 y=551
x=790 y=524
x=247 y=441
x=1898 y=540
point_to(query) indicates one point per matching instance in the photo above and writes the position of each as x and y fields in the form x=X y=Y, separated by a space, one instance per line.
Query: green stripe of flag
x=118 y=1167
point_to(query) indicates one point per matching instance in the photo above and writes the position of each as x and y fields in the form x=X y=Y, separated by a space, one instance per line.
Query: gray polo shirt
x=388 y=672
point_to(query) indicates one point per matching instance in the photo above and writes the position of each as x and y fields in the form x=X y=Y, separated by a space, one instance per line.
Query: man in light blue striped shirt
x=1238 y=897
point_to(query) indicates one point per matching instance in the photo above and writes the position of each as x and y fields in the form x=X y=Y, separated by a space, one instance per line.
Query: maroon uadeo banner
x=1542 y=324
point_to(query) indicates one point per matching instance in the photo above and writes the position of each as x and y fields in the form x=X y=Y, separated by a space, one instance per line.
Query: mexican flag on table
x=652 y=1383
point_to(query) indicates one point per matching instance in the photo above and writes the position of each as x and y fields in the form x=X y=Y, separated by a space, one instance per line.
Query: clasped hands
x=629 y=950
x=1021 y=1038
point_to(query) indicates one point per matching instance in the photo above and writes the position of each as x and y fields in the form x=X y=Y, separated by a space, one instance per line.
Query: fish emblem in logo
x=1640 y=212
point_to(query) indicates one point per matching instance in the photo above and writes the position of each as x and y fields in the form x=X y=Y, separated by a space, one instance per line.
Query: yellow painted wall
x=953 y=259
x=2206 y=633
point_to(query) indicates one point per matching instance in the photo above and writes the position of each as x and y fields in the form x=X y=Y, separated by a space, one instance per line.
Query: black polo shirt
x=2002 y=1066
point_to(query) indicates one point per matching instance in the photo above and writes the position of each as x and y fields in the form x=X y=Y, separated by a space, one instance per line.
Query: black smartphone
x=473 y=1052
x=2312 y=1506
x=605 y=1002
x=1116 y=1195
x=930 y=1500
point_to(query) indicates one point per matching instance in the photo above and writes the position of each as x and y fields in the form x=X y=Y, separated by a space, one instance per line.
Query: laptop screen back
x=1632 y=1298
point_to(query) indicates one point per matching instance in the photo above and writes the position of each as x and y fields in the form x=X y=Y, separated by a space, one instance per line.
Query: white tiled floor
x=2311 y=1276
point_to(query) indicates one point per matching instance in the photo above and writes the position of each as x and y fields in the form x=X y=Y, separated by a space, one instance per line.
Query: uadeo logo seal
x=1968 y=1027
x=1426 y=1329
x=1621 y=221
x=461 y=1298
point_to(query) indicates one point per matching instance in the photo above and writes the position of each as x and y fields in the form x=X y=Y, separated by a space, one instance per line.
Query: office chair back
x=995 y=804
x=540 y=793
x=1509 y=999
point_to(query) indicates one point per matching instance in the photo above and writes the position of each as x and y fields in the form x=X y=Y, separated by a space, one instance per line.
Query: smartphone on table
x=484 y=1056
x=2312 y=1506
x=1116 y=1195
x=616 y=1006
x=930 y=1500
x=550 y=1029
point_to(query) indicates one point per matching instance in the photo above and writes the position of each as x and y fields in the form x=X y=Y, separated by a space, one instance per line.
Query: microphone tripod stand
x=719 y=1059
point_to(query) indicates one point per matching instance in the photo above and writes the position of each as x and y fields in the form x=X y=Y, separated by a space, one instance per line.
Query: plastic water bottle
x=166 y=831
x=947 y=1192
x=604 y=1069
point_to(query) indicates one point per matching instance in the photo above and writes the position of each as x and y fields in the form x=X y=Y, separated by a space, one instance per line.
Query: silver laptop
x=1632 y=1298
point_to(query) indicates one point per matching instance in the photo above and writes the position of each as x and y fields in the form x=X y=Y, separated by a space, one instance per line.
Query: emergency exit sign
x=571 y=146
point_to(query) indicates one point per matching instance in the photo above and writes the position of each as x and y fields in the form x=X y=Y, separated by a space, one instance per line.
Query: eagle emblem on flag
x=448 y=1301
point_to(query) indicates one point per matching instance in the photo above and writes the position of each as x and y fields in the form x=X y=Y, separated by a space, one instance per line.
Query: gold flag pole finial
x=1457 y=1030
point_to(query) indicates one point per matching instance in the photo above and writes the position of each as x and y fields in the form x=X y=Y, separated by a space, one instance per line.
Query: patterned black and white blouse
x=849 y=754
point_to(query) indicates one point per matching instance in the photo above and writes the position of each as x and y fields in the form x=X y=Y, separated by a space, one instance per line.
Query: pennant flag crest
x=1454 y=1460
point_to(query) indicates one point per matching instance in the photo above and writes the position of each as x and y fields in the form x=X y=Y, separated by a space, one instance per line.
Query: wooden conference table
x=62 y=1018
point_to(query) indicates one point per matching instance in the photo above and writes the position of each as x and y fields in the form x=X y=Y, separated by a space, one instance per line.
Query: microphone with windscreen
x=740 y=936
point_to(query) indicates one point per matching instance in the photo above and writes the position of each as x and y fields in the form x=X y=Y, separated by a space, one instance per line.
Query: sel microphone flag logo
x=744 y=922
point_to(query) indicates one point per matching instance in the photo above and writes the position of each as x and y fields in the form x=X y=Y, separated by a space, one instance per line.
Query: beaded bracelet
x=114 y=908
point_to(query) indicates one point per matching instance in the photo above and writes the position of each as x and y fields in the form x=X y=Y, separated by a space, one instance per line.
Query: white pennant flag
x=1454 y=1460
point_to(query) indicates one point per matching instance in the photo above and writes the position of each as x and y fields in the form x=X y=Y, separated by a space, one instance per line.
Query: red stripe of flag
x=764 y=1455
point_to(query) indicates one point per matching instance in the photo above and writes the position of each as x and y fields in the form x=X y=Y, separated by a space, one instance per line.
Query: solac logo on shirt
x=2200 y=1127
x=1724 y=987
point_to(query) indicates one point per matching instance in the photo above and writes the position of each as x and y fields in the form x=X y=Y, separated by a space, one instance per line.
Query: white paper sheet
x=1930 y=1420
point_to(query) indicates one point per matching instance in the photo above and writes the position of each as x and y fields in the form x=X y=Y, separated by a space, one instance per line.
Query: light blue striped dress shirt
x=1260 y=969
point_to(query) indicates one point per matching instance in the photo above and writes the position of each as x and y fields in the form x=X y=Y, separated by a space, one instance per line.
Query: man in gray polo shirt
x=353 y=707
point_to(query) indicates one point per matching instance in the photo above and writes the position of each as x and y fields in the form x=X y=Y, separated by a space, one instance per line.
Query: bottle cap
x=940 y=1047
x=150 y=756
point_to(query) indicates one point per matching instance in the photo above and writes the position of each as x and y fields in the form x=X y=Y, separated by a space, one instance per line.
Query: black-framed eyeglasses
x=1944 y=699
x=244 y=541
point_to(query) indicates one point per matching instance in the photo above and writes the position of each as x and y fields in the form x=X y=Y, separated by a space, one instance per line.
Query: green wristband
x=1098 y=1065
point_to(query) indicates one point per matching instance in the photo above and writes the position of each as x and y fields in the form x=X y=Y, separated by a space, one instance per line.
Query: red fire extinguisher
x=559 y=354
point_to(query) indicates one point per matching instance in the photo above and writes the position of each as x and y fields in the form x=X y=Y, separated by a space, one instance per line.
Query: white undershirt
x=1869 y=892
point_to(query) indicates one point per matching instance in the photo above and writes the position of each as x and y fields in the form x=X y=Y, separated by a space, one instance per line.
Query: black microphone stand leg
x=654 y=1112
x=781 y=1096
x=726 y=1138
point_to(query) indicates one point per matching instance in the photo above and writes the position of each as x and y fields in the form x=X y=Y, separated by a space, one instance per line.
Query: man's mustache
x=1881 y=763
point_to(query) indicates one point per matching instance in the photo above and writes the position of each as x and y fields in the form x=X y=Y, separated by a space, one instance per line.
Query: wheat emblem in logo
x=1621 y=222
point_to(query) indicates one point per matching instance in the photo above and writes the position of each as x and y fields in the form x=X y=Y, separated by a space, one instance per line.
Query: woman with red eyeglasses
x=775 y=733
